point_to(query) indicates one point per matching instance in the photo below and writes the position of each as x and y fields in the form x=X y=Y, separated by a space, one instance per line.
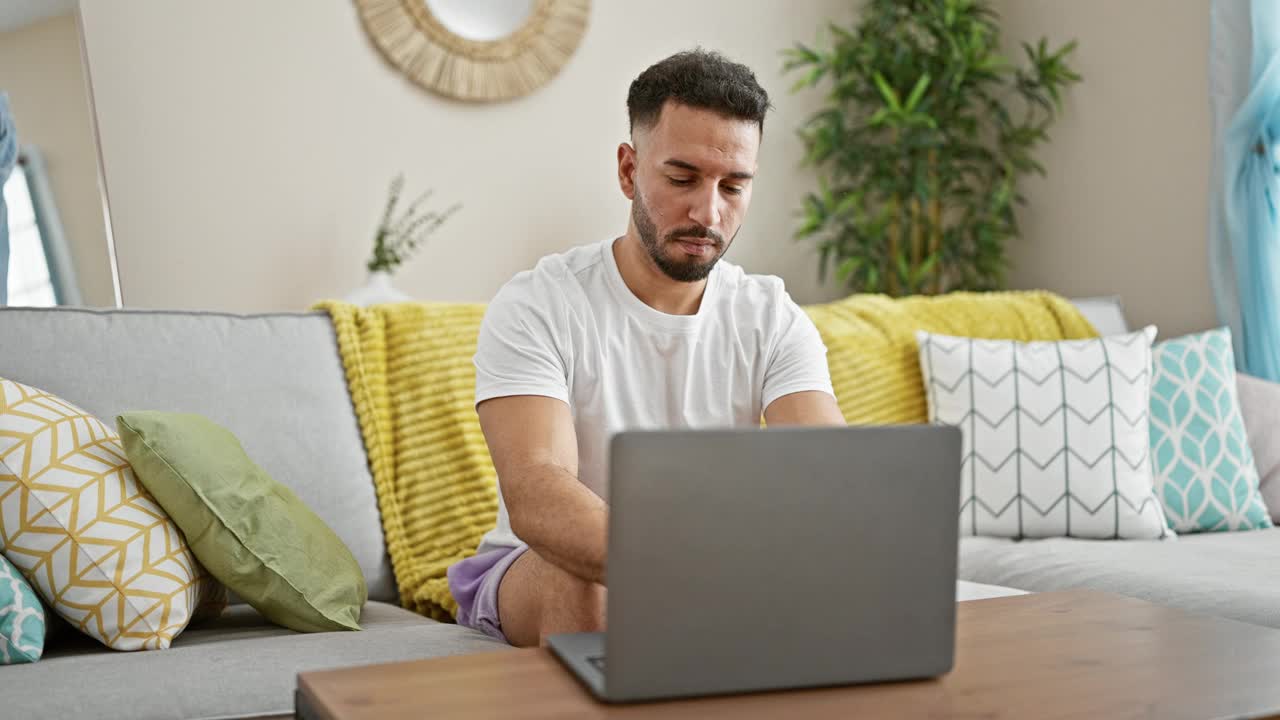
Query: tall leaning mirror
x=55 y=239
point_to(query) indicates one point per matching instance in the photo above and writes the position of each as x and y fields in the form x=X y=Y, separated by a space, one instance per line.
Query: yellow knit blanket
x=412 y=382
x=872 y=351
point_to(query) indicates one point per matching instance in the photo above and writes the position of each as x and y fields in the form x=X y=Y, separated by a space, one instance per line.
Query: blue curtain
x=8 y=158
x=1245 y=245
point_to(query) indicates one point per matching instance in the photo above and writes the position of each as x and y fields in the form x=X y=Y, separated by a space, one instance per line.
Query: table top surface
x=1073 y=654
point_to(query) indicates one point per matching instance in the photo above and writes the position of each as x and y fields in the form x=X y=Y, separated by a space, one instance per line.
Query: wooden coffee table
x=1075 y=654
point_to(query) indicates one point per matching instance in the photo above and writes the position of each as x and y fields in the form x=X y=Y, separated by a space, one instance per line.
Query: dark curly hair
x=701 y=79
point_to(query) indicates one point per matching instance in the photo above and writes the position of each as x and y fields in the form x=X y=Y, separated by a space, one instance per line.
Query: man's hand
x=804 y=408
x=535 y=451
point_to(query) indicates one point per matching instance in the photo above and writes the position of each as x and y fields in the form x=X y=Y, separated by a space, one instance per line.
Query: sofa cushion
x=1222 y=574
x=238 y=665
x=1260 y=406
x=275 y=381
x=242 y=665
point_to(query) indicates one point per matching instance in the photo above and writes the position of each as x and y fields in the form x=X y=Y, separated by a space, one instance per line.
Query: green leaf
x=904 y=269
x=917 y=93
x=929 y=263
x=810 y=79
x=811 y=224
x=888 y=93
x=824 y=189
x=824 y=256
x=847 y=204
x=848 y=267
x=800 y=55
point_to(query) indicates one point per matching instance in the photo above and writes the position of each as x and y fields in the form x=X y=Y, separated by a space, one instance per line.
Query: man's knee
x=569 y=603
x=582 y=605
x=542 y=599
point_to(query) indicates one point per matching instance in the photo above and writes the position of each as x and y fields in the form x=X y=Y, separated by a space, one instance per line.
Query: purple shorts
x=473 y=582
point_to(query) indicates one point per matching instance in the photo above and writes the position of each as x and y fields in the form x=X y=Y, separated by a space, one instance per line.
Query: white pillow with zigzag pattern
x=1056 y=434
x=86 y=535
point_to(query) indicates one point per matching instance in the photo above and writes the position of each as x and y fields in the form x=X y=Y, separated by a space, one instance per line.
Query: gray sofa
x=276 y=381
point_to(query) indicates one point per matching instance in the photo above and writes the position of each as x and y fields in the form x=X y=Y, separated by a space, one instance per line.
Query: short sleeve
x=798 y=361
x=522 y=345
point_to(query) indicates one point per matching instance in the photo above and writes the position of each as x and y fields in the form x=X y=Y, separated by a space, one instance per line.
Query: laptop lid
x=755 y=559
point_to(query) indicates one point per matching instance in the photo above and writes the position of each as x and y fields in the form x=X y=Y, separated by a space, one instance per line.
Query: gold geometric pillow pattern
x=84 y=532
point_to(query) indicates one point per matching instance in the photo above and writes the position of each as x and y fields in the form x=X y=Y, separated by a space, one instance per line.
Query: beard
x=687 y=268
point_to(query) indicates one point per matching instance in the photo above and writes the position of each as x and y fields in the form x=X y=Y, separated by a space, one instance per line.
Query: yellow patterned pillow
x=84 y=532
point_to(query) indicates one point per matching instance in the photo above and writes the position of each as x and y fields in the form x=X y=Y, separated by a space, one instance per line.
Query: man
x=649 y=330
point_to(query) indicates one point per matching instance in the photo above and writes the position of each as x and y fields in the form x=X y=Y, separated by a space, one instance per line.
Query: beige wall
x=41 y=69
x=248 y=146
x=1124 y=208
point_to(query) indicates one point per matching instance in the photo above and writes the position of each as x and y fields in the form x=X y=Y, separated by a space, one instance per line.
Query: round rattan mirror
x=481 y=50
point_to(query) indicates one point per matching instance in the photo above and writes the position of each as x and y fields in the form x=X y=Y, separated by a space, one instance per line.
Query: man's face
x=689 y=181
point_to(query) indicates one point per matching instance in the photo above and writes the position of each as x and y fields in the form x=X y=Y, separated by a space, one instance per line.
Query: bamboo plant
x=925 y=131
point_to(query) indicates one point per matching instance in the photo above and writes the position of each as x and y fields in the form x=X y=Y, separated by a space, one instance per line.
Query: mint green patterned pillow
x=1204 y=471
x=21 y=618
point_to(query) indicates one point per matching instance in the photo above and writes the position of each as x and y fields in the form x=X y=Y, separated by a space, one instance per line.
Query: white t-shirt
x=571 y=329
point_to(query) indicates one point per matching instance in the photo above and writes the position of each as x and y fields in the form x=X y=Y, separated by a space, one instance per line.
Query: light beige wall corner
x=41 y=69
x=248 y=145
x=1124 y=209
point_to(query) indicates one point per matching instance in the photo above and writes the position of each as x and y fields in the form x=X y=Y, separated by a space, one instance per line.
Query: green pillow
x=252 y=533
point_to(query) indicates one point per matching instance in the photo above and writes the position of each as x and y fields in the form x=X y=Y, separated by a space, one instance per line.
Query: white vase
x=377 y=290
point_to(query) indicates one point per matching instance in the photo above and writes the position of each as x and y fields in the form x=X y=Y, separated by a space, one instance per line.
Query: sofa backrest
x=275 y=381
x=1104 y=312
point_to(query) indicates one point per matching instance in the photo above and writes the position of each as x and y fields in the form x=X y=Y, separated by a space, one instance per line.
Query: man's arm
x=535 y=452
x=810 y=407
x=797 y=382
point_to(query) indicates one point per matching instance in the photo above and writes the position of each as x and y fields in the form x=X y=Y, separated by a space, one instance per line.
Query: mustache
x=695 y=232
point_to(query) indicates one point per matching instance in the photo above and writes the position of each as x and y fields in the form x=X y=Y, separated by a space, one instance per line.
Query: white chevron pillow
x=1056 y=437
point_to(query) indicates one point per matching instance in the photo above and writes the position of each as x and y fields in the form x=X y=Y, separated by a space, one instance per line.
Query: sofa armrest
x=1260 y=406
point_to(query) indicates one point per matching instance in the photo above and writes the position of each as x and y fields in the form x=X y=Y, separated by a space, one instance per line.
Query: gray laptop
x=746 y=560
